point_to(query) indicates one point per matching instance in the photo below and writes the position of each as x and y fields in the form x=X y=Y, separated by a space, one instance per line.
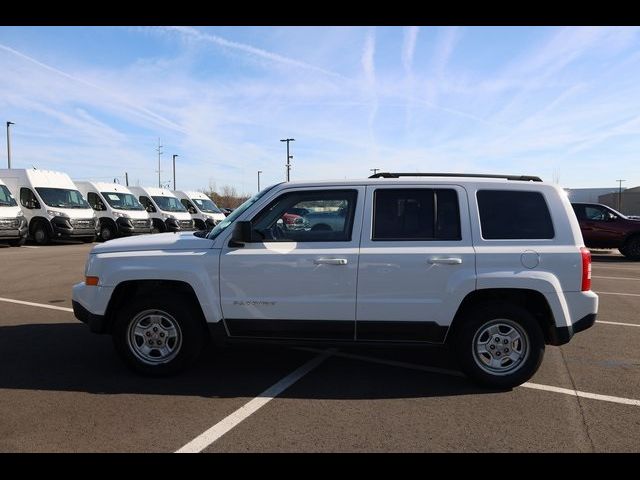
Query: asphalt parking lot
x=62 y=389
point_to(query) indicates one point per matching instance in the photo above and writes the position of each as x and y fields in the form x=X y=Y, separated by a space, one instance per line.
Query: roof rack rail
x=523 y=178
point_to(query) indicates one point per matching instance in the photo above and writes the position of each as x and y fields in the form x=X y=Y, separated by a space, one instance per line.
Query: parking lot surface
x=62 y=388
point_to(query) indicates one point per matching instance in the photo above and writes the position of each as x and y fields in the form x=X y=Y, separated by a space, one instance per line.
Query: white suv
x=494 y=266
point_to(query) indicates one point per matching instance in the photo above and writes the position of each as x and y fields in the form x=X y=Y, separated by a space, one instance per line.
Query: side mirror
x=241 y=234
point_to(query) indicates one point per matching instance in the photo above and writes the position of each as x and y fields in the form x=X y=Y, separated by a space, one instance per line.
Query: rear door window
x=416 y=214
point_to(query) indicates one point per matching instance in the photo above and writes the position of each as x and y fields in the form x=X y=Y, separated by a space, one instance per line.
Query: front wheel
x=159 y=335
x=499 y=345
x=41 y=234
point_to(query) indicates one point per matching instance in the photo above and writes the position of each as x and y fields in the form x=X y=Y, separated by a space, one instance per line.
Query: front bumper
x=174 y=225
x=65 y=228
x=13 y=228
x=90 y=305
x=128 y=227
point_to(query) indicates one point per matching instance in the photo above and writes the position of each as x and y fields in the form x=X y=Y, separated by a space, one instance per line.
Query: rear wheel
x=631 y=248
x=159 y=335
x=499 y=345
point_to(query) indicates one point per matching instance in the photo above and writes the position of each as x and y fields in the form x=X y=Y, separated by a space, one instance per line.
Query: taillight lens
x=586 y=269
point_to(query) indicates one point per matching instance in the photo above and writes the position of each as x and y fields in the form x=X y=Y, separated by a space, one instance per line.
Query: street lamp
x=289 y=157
x=620 y=194
x=174 y=171
x=259 y=172
x=9 y=145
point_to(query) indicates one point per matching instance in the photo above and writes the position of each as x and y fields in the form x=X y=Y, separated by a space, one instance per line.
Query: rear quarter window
x=514 y=215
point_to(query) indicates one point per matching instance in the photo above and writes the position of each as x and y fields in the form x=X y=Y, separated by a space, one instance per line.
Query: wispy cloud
x=248 y=49
x=409 y=47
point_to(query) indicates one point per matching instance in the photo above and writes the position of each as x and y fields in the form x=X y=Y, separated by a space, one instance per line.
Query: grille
x=83 y=223
x=185 y=223
x=9 y=223
x=141 y=223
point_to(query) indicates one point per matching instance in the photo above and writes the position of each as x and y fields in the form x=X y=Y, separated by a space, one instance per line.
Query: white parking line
x=31 y=304
x=29 y=246
x=616 y=278
x=536 y=386
x=618 y=323
x=617 y=293
x=223 y=426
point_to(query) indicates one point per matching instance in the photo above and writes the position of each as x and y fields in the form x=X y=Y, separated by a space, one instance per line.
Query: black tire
x=504 y=316
x=41 y=234
x=17 y=243
x=172 y=307
x=107 y=232
x=631 y=248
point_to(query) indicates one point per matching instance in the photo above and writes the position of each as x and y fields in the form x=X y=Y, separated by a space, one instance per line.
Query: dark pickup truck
x=603 y=227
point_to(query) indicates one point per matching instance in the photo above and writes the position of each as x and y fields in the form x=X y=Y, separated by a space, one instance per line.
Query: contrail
x=251 y=50
x=164 y=121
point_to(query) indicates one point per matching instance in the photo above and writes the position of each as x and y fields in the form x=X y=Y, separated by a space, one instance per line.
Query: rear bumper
x=562 y=335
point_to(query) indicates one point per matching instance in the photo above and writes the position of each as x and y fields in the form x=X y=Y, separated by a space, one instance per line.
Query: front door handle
x=330 y=261
x=445 y=260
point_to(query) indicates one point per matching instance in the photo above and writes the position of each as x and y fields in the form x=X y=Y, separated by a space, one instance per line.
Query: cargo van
x=165 y=210
x=52 y=205
x=204 y=212
x=119 y=212
x=13 y=224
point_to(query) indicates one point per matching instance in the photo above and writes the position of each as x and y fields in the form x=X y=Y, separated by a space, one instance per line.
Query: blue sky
x=558 y=102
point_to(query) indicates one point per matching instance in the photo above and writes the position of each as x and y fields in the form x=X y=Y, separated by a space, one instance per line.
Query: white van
x=203 y=210
x=52 y=205
x=119 y=212
x=13 y=224
x=165 y=210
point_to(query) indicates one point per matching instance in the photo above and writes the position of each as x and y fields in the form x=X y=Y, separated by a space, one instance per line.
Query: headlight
x=120 y=215
x=55 y=213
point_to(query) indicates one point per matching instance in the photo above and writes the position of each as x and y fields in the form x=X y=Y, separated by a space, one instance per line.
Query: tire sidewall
x=181 y=309
x=110 y=235
x=631 y=248
x=45 y=237
x=474 y=320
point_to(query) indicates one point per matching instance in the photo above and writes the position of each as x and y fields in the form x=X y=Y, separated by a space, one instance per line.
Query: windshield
x=206 y=206
x=169 y=204
x=6 y=199
x=62 y=198
x=236 y=213
x=122 y=201
x=615 y=212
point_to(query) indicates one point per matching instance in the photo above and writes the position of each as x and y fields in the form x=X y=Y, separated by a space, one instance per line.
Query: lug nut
x=148 y=333
x=497 y=340
x=492 y=347
x=161 y=334
x=497 y=354
x=155 y=329
x=506 y=350
x=506 y=341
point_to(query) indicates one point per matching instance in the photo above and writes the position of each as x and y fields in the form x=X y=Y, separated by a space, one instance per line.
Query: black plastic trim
x=96 y=323
x=292 y=329
x=401 y=331
x=562 y=335
x=523 y=178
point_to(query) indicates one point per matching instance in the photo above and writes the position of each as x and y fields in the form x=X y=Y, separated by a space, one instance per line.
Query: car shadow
x=67 y=357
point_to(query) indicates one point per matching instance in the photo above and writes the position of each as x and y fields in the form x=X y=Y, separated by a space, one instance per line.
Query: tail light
x=586 y=269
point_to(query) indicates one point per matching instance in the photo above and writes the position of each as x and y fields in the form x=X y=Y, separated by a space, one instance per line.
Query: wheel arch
x=532 y=300
x=129 y=289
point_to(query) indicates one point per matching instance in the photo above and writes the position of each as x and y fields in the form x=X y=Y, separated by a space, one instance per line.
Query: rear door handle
x=330 y=261
x=445 y=260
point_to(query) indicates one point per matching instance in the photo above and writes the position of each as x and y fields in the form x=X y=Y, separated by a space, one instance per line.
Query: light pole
x=374 y=170
x=259 y=172
x=159 y=153
x=174 y=171
x=620 y=194
x=9 y=145
x=289 y=157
